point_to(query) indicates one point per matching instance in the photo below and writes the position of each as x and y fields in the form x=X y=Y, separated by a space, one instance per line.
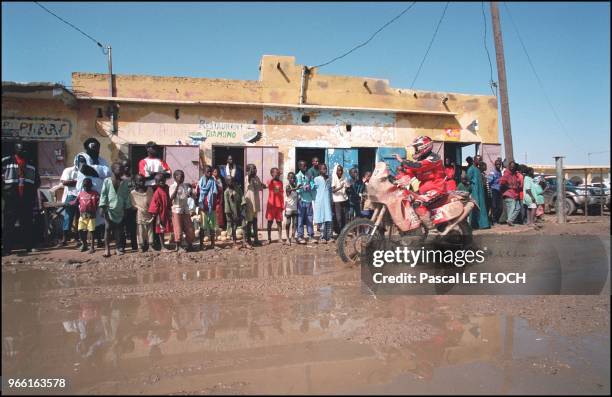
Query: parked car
x=575 y=197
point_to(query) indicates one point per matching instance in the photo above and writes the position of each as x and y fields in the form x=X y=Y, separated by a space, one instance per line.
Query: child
x=232 y=203
x=254 y=186
x=207 y=187
x=339 y=197
x=367 y=210
x=114 y=200
x=140 y=199
x=181 y=218
x=354 y=195
x=276 y=203
x=219 y=203
x=87 y=200
x=464 y=185
x=160 y=208
x=322 y=204
x=291 y=202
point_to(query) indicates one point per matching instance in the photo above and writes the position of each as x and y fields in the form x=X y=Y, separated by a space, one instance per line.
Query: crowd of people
x=509 y=194
x=104 y=202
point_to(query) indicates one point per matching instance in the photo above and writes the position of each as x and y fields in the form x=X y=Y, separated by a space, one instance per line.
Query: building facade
x=290 y=113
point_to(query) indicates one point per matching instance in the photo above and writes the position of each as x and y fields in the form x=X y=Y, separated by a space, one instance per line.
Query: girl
x=291 y=202
x=207 y=187
x=160 y=208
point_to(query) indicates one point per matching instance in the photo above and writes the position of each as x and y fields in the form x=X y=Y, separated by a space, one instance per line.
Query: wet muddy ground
x=284 y=319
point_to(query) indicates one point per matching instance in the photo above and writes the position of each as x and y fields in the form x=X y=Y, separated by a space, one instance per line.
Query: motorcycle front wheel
x=354 y=238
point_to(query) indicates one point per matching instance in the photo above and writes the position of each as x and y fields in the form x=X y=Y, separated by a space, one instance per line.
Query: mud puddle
x=293 y=325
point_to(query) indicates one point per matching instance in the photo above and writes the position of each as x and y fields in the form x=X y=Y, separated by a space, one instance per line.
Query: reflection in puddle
x=332 y=340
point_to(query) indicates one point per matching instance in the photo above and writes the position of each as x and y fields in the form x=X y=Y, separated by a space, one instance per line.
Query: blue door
x=386 y=154
x=347 y=158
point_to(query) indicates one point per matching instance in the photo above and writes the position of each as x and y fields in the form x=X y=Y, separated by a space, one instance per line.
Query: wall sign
x=222 y=130
x=36 y=128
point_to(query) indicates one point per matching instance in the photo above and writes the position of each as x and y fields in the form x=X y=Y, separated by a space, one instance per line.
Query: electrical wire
x=491 y=81
x=368 y=40
x=72 y=26
x=537 y=76
x=430 y=44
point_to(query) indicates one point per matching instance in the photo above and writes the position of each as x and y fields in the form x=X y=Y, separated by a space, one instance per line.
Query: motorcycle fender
x=447 y=212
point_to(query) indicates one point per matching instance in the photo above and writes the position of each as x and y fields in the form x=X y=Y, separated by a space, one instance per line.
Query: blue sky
x=569 y=44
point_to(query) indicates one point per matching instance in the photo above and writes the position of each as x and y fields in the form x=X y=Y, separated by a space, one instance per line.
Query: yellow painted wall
x=279 y=82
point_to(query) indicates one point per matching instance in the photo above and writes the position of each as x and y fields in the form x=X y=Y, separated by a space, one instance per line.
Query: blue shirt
x=493 y=178
x=305 y=192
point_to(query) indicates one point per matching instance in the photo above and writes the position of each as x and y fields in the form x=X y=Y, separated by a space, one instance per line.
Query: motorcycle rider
x=428 y=168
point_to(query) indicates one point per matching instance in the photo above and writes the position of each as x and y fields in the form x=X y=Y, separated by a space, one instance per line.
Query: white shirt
x=340 y=195
x=69 y=174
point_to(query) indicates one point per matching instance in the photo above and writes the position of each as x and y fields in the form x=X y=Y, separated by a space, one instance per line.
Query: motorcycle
x=393 y=209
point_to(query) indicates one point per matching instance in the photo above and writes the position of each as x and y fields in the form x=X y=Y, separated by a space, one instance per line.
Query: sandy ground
x=280 y=319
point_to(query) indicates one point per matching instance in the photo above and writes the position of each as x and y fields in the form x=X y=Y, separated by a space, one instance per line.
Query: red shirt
x=21 y=163
x=510 y=185
x=429 y=171
x=88 y=202
x=276 y=194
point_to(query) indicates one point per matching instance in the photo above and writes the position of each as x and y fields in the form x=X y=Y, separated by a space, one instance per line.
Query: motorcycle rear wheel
x=353 y=239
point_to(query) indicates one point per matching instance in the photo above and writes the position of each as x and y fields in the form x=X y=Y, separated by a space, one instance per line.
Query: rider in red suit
x=428 y=168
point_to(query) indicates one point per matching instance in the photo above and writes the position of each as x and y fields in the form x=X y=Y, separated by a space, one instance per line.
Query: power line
x=537 y=76
x=491 y=81
x=430 y=44
x=71 y=25
x=368 y=40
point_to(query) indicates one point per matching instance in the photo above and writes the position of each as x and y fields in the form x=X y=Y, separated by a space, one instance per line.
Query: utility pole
x=501 y=76
x=111 y=105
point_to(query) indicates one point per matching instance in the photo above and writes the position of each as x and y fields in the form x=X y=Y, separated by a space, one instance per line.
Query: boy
x=160 y=209
x=114 y=200
x=232 y=203
x=291 y=202
x=254 y=186
x=87 y=200
x=276 y=203
x=208 y=197
x=322 y=214
x=181 y=218
x=140 y=198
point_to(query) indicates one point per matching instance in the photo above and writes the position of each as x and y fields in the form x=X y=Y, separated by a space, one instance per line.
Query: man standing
x=510 y=187
x=306 y=197
x=69 y=180
x=20 y=182
x=480 y=219
x=233 y=171
x=496 y=198
x=152 y=165
x=90 y=165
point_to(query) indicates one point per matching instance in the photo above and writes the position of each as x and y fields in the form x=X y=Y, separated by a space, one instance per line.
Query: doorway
x=220 y=154
x=366 y=160
x=307 y=154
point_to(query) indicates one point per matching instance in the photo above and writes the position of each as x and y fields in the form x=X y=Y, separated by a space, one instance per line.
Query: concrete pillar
x=560 y=205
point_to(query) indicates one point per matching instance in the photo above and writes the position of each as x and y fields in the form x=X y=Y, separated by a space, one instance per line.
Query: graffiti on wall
x=36 y=128
x=361 y=127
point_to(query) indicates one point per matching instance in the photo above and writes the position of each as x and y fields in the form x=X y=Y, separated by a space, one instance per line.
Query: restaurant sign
x=36 y=128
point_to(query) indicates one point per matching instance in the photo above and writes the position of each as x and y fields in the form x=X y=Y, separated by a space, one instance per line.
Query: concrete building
x=43 y=116
x=290 y=113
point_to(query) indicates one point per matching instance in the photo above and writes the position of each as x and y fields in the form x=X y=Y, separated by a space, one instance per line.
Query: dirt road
x=284 y=319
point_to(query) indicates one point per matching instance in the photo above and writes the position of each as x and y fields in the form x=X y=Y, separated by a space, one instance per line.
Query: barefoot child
x=253 y=186
x=181 y=218
x=232 y=203
x=291 y=201
x=276 y=203
x=207 y=187
x=114 y=201
x=160 y=209
x=87 y=200
x=141 y=200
